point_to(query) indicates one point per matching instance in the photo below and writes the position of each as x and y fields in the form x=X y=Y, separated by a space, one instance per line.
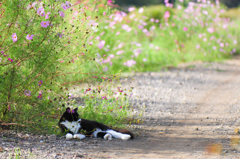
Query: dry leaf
x=214 y=148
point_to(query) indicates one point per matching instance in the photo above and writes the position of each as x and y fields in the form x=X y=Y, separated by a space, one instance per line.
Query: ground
x=191 y=111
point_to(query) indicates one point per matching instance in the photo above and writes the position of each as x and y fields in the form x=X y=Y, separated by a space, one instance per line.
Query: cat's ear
x=75 y=110
x=68 y=109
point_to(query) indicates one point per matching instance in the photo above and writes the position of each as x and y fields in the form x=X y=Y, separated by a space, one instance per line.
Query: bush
x=43 y=54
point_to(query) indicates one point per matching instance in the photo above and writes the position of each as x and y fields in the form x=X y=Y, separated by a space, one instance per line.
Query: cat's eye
x=73 y=126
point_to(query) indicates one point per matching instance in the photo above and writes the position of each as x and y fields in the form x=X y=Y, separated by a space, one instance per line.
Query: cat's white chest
x=73 y=126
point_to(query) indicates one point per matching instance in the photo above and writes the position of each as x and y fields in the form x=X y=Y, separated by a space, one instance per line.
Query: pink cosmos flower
x=132 y=16
x=145 y=31
x=29 y=37
x=104 y=77
x=221 y=44
x=170 y=5
x=66 y=5
x=61 y=14
x=47 y=15
x=107 y=60
x=120 y=52
x=140 y=26
x=185 y=28
x=89 y=89
x=210 y=30
x=40 y=96
x=129 y=63
x=14 y=37
x=104 y=97
x=109 y=2
x=45 y=24
x=27 y=93
x=40 y=83
x=137 y=52
x=198 y=46
x=111 y=56
x=60 y=35
x=104 y=13
x=101 y=44
x=179 y=7
x=120 y=45
x=42 y=14
x=126 y=27
x=40 y=11
x=141 y=10
x=166 y=15
x=9 y=59
x=131 y=9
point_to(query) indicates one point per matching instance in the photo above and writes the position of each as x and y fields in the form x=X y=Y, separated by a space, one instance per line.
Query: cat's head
x=70 y=115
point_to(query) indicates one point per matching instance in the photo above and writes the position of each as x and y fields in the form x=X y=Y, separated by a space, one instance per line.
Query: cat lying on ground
x=72 y=125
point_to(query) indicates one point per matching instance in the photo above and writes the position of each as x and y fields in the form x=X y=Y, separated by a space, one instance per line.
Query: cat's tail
x=125 y=131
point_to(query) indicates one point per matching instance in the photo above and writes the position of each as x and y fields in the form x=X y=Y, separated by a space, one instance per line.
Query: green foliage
x=37 y=72
x=138 y=43
x=158 y=11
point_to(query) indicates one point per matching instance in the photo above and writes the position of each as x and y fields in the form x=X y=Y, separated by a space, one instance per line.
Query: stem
x=9 y=93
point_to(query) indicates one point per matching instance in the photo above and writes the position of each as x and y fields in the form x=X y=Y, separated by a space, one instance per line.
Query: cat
x=72 y=125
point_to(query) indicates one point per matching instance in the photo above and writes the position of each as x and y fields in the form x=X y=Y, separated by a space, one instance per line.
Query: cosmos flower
x=141 y=10
x=14 y=37
x=101 y=44
x=129 y=63
x=40 y=83
x=104 y=97
x=166 y=15
x=45 y=24
x=66 y=5
x=27 y=93
x=185 y=28
x=131 y=9
x=40 y=96
x=47 y=15
x=9 y=59
x=29 y=37
x=61 y=14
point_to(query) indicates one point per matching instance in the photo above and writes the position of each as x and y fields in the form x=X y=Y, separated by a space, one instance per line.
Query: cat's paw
x=79 y=136
x=108 y=137
x=126 y=137
x=69 y=136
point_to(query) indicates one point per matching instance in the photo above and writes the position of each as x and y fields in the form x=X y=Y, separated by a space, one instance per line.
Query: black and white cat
x=72 y=125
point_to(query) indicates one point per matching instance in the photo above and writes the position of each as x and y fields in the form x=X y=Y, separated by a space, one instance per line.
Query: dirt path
x=189 y=112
